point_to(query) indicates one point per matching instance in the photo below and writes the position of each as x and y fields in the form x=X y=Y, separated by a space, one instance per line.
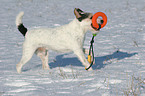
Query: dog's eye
x=91 y=17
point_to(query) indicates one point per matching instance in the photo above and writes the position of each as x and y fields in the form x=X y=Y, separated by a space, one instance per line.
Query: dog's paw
x=45 y=67
x=90 y=69
x=18 y=69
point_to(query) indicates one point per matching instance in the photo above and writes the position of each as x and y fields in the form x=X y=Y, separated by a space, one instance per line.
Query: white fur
x=19 y=18
x=66 y=38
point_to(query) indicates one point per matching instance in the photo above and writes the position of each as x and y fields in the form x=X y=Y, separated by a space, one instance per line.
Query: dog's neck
x=76 y=26
x=77 y=31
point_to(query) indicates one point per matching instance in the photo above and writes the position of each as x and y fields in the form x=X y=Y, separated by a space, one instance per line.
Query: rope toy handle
x=95 y=17
x=89 y=56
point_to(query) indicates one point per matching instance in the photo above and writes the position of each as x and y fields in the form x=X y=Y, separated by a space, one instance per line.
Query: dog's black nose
x=102 y=21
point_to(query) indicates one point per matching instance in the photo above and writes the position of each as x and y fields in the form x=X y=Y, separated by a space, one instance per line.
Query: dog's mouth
x=100 y=23
x=97 y=29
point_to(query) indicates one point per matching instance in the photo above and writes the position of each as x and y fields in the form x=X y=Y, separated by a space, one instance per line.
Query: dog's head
x=85 y=20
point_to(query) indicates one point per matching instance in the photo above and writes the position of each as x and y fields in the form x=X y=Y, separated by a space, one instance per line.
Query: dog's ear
x=76 y=12
x=80 y=15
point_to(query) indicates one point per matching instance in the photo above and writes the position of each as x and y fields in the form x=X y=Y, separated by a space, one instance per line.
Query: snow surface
x=119 y=50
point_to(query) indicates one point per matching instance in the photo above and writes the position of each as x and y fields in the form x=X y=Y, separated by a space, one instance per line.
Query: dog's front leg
x=86 y=51
x=82 y=58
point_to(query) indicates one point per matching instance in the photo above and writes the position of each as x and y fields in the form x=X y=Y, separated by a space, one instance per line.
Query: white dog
x=66 y=38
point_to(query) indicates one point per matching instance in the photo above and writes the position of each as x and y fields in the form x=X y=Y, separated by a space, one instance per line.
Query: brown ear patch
x=76 y=13
x=80 y=15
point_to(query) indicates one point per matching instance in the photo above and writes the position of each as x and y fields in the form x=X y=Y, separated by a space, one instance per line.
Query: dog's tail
x=20 y=25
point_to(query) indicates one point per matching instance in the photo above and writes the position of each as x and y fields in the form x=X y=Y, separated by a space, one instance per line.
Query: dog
x=66 y=38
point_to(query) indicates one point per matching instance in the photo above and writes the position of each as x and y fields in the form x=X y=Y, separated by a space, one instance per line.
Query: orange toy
x=94 y=19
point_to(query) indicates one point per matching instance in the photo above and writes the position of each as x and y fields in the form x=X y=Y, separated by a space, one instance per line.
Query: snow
x=119 y=50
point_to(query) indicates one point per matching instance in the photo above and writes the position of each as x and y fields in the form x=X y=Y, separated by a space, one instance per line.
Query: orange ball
x=94 y=19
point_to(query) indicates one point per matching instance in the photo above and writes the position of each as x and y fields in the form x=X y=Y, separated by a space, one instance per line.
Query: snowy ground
x=119 y=50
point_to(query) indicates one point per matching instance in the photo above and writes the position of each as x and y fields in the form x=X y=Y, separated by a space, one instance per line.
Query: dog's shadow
x=100 y=62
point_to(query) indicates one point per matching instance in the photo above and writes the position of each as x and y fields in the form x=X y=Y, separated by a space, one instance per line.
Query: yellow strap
x=89 y=59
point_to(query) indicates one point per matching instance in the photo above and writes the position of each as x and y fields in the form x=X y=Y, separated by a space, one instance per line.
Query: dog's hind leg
x=28 y=52
x=43 y=54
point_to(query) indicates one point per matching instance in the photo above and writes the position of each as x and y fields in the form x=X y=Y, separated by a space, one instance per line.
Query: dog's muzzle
x=97 y=29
